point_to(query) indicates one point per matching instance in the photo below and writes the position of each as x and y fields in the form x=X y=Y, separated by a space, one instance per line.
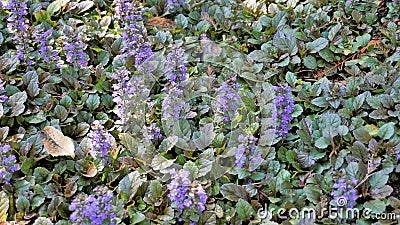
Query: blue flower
x=282 y=110
x=93 y=209
x=184 y=194
x=344 y=191
x=18 y=24
x=8 y=163
x=100 y=141
x=44 y=42
x=133 y=37
x=227 y=101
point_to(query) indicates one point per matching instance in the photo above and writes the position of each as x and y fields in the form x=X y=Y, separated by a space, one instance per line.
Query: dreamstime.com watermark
x=332 y=212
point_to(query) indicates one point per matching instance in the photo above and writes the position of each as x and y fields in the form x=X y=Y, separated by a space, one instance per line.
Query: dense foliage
x=200 y=112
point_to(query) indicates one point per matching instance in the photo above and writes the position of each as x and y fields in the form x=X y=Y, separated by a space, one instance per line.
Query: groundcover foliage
x=199 y=112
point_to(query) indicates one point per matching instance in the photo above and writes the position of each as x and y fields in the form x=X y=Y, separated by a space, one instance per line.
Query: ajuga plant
x=98 y=208
x=189 y=198
x=100 y=141
x=18 y=24
x=8 y=163
x=46 y=53
x=283 y=108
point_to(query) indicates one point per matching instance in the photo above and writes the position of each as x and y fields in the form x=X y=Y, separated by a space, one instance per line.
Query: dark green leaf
x=234 y=192
x=244 y=210
x=129 y=185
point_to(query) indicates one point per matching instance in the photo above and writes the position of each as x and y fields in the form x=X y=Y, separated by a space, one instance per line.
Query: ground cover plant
x=199 y=112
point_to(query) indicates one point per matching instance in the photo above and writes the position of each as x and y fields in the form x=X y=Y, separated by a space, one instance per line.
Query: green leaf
x=333 y=31
x=155 y=190
x=55 y=6
x=317 y=45
x=279 y=19
x=327 y=55
x=378 y=180
x=102 y=57
x=363 y=40
x=320 y=102
x=291 y=156
x=129 y=185
x=33 y=88
x=16 y=101
x=375 y=206
x=182 y=129
x=201 y=140
x=192 y=168
x=42 y=175
x=130 y=143
x=36 y=118
x=322 y=142
x=352 y=170
x=93 y=102
x=181 y=21
x=386 y=131
x=42 y=16
x=82 y=129
x=136 y=218
x=310 y=62
x=66 y=101
x=298 y=110
x=60 y=112
x=259 y=56
x=234 y=192
x=313 y=193
x=291 y=78
x=381 y=193
x=362 y=135
x=244 y=210
x=22 y=203
x=42 y=221
x=161 y=163
x=84 y=6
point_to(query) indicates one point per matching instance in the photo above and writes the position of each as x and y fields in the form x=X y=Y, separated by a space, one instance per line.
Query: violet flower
x=344 y=193
x=184 y=194
x=134 y=33
x=100 y=141
x=18 y=24
x=282 y=110
x=8 y=163
x=93 y=209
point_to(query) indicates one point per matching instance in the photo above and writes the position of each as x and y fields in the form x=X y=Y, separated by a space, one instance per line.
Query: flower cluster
x=134 y=33
x=228 y=98
x=18 y=24
x=247 y=153
x=344 y=194
x=175 y=67
x=7 y=163
x=75 y=51
x=282 y=110
x=173 y=4
x=100 y=141
x=175 y=73
x=44 y=42
x=176 y=3
x=130 y=95
x=153 y=132
x=184 y=194
x=93 y=209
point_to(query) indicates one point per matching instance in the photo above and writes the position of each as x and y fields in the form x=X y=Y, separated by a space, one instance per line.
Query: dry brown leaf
x=91 y=171
x=160 y=22
x=55 y=143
